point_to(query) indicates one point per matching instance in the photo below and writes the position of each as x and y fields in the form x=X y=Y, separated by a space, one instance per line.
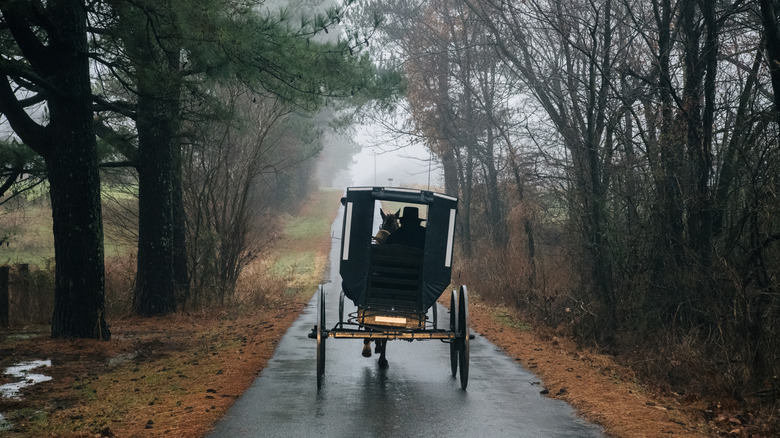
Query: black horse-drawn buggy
x=395 y=283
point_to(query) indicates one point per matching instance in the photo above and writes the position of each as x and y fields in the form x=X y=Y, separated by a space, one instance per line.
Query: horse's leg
x=382 y=359
x=366 y=348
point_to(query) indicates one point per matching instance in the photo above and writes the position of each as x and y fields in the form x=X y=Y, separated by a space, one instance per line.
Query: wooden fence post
x=5 y=304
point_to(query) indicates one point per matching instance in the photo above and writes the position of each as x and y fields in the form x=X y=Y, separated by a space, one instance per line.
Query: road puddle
x=22 y=373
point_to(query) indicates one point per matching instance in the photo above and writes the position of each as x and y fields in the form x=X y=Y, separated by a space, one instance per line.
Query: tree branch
x=121 y=143
x=26 y=128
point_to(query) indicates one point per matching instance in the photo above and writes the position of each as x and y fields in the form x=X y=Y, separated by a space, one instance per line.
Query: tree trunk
x=527 y=224
x=691 y=114
x=464 y=215
x=74 y=185
x=497 y=220
x=154 y=293
x=450 y=167
x=666 y=158
x=74 y=188
x=743 y=125
x=769 y=11
x=446 y=144
x=5 y=304
x=180 y=273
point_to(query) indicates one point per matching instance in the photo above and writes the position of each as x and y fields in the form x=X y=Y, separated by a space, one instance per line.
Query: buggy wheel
x=341 y=308
x=454 y=329
x=320 y=337
x=463 y=332
x=435 y=316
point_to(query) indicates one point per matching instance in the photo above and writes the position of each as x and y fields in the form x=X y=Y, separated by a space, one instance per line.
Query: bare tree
x=234 y=173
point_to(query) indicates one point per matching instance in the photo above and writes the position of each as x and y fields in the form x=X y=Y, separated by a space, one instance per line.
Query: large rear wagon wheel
x=454 y=329
x=321 y=336
x=463 y=332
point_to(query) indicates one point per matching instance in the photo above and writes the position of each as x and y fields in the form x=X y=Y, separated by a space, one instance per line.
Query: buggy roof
x=357 y=232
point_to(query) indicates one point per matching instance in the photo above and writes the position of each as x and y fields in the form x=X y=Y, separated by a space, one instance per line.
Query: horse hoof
x=366 y=350
x=383 y=363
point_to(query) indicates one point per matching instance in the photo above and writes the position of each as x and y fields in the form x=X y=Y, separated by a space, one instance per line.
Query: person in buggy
x=411 y=232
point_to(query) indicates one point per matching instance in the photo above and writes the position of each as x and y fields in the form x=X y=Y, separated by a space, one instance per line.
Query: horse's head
x=389 y=220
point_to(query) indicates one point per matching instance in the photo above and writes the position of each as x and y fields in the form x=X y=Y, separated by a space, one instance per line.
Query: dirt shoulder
x=159 y=377
x=599 y=389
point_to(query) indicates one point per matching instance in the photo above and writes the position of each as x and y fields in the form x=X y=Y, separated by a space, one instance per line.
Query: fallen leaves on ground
x=172 y=376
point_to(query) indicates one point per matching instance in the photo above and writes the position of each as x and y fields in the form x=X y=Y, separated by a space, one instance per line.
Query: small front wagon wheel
x=321 y=336
x=463 y=332
x=454 y=329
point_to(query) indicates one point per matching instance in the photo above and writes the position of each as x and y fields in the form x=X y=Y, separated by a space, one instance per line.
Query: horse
x=389 y=224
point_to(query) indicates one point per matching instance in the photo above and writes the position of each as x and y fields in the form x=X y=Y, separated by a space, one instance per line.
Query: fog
x=396 y=163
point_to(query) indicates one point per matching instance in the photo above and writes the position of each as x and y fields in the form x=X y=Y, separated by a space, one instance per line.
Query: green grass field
x=30 y=239
x=28 y=234
x=301 y=255
x=26 y=225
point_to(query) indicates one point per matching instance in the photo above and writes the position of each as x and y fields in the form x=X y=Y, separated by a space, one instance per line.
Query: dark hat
x=410 y=214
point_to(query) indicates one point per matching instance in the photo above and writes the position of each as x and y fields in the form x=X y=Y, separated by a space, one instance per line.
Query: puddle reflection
x=4 y=425
x=22 y=371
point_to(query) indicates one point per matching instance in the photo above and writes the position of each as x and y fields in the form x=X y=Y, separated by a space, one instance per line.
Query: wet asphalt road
x=415 y=397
